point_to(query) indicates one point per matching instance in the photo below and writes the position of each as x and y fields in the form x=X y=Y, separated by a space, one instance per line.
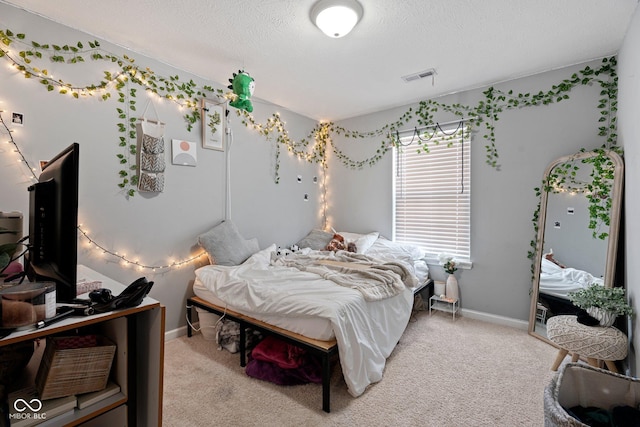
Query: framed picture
x=183 y=153
x=213 y=119
x=17 y=119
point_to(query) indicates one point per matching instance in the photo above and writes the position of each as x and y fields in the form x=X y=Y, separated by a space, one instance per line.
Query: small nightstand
x=447 y=305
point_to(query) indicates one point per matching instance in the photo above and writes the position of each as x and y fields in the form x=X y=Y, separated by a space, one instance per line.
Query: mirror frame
x=614 y=227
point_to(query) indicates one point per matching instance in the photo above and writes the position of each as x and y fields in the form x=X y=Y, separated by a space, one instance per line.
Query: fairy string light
x=123 y=79
x=317 y=144
x=123 y=258
x=127 y=261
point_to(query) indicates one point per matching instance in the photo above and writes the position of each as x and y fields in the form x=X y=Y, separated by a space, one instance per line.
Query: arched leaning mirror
x=577 y=237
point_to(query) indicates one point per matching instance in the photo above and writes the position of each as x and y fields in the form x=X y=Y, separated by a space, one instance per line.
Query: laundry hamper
x=208 y=322
x=577 y=384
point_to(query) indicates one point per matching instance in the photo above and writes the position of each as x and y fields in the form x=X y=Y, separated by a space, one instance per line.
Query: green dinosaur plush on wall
x=242 y=85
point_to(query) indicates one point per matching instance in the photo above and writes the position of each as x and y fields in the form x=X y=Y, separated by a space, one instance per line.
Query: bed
x=558 y=281
x=302 y=292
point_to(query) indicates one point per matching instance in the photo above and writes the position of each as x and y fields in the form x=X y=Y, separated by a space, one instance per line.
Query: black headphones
x=101 y=296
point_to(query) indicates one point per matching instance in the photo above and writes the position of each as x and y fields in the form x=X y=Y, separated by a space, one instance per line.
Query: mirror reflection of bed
x=557 y=280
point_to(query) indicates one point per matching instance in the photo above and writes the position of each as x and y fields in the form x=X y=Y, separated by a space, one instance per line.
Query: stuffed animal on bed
x=337 y=243
x=283 y=252
x=286 y=251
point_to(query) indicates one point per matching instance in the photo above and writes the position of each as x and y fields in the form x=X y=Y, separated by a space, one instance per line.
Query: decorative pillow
x=226 y=246
x=363 y=241
x=385 y=247
x=316 y=240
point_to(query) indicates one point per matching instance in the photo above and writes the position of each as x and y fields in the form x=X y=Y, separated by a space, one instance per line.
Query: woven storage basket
x=74 y=365
x=582 y=385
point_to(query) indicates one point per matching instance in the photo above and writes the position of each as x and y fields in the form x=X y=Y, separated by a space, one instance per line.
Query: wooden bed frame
x=325 y=349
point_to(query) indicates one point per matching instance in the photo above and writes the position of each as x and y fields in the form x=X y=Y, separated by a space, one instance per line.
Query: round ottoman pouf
x=593 y=342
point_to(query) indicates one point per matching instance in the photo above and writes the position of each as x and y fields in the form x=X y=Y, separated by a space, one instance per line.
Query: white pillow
x=386 y=247
x=263 y=257
x=363 y=241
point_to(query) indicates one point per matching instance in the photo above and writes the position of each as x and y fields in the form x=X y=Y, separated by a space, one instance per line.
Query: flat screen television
x=53 y=224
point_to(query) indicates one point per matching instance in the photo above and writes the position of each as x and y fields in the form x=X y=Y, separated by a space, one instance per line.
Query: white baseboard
x=494 y=318
x=471 y=314
x=177 y=333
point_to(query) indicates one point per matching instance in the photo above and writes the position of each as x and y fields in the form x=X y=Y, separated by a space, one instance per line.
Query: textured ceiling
x=469 y=43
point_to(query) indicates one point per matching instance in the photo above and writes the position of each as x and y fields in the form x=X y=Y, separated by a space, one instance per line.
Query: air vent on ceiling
x=419 y=75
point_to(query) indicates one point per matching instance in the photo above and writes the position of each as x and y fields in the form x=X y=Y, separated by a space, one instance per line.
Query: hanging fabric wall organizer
x=151 y=157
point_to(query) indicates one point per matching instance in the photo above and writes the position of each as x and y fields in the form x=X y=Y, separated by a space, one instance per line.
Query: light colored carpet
x=442 y=373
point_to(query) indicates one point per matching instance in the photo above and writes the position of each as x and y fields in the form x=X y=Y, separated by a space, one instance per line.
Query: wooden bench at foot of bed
x=325 y=349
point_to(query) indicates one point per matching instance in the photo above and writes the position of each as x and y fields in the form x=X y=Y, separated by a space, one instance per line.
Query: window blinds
x=433 y=191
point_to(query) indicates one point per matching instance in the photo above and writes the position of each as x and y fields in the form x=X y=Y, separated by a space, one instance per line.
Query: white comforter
x=366 y=332
x=558 y=281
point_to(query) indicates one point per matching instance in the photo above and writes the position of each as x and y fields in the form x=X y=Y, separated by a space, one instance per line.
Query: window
x=432 y=206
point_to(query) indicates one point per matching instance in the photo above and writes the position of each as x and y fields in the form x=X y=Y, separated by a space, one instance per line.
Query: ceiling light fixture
x=336 y=18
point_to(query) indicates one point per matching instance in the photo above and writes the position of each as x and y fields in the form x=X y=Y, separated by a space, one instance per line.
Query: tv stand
x=137 y=367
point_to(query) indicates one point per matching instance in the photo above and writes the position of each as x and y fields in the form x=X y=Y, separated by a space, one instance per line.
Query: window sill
x=461 y=265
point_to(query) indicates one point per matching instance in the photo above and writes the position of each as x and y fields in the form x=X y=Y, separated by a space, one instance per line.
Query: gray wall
x=629 y=134
x=502 y=201
x=153 y=228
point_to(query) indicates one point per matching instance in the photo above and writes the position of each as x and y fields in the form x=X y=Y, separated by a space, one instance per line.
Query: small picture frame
x=17 y=119
x=183 y=153
x=213 y=124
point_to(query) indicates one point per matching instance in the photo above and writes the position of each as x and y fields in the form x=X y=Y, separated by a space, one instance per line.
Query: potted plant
x=449 y=265
x=605 y=304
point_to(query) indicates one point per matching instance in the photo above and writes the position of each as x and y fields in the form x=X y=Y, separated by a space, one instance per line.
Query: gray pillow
x=316 y=240
x=226 y=246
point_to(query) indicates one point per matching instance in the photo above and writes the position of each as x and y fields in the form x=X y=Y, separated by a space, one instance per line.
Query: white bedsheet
x=558 y=281
x=312 y=327
x=366 y=332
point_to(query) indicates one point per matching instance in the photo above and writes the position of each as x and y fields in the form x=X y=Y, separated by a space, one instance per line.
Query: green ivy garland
x=184 y=94
x=312 y=148
x=485 y=113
